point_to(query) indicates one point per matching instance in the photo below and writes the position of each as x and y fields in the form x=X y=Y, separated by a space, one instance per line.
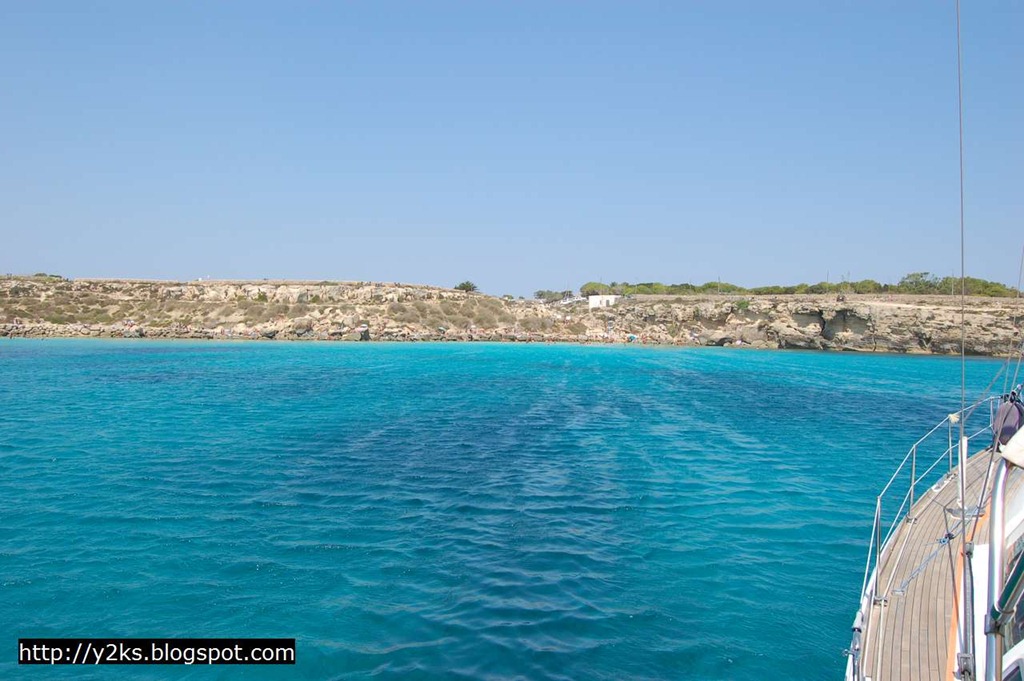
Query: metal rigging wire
x=966 y=633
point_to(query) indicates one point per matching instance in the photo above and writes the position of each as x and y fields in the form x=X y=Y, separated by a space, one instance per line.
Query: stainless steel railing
x=997 y=526
x=878 y=545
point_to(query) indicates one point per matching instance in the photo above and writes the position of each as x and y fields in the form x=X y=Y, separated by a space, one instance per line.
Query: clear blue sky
x=520 y=145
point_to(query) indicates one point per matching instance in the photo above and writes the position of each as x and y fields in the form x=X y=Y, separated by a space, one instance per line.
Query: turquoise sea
x=443 y=511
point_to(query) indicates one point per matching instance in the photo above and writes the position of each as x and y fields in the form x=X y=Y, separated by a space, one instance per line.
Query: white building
x=594 y=302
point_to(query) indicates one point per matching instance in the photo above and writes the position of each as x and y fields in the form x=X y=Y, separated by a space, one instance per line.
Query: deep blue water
x=451 y=510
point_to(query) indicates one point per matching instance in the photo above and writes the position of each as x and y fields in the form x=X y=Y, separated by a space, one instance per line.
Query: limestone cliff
x=39 y=307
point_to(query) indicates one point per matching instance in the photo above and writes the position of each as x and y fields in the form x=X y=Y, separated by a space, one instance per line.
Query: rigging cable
x=967 y=643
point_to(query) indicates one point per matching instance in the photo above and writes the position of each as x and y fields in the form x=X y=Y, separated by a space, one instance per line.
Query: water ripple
x=451 y=511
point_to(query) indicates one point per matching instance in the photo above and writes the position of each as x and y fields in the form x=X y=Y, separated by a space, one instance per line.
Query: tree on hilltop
x=549 y=296
x=918 y=282
x=593 y=288
x=466 y=286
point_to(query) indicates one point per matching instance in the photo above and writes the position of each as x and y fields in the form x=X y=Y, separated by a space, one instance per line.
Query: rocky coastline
x=42 y=307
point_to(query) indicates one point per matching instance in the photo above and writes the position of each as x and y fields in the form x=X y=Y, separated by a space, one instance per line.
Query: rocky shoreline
x=39 y=307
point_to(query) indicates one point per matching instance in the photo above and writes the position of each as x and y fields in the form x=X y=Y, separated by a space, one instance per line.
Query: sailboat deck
x=910 y=625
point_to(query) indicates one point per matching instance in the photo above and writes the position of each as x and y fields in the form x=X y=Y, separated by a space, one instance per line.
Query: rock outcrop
x=270 y=310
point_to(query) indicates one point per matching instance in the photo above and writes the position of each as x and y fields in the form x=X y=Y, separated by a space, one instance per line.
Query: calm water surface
x=451 y=511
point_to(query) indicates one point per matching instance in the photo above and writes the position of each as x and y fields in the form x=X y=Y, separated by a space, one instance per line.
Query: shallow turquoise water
x=451 y=511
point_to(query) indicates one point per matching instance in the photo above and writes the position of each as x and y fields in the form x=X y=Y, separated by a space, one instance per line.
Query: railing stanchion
x=878 y=538
x=913 y=481
x=949 y=429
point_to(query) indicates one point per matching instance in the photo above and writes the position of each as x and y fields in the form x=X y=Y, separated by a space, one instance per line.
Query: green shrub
x=491 y=305
x=433 y=321
x=486 y=320
x=531 y=324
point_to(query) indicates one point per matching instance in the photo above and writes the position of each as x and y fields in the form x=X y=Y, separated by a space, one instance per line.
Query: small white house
x=594 y=302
